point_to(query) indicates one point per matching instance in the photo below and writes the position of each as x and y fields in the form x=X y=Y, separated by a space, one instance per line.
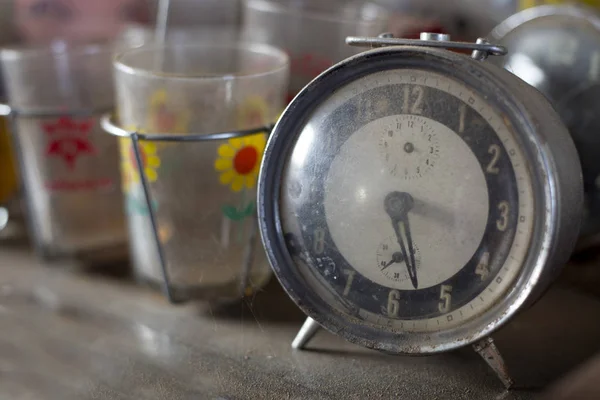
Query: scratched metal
x=70 y=335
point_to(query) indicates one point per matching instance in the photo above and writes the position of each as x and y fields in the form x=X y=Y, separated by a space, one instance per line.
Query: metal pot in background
x=463 y=19
x=557 y=50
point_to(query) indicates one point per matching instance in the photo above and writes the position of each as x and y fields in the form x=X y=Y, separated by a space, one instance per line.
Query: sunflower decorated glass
x=189 y=181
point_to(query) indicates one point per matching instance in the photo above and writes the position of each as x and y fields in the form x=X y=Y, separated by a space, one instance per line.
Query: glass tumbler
x=199 y=218
x=69 y=168
x=313 y=32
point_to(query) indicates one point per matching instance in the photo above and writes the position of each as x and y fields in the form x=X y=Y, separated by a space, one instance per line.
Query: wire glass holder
x=112 y=128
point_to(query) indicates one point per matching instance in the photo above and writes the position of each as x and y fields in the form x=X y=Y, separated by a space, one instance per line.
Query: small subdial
x=410 y=147
x=390 y=260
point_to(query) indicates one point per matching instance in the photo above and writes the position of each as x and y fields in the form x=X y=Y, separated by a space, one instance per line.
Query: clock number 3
x=502 y=222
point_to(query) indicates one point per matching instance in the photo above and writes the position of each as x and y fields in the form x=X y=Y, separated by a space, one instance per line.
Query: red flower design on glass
x=68 y=139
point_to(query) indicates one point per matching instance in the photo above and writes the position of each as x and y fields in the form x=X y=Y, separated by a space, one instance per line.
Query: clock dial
x=413 y=214
x=391 y=261
x=413 y=138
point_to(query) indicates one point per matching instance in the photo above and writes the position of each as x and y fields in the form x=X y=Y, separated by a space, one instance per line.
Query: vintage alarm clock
x=413 y=199
x=557 y=50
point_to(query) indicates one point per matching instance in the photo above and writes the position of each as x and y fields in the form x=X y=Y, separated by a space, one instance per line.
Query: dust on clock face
x=406 y=202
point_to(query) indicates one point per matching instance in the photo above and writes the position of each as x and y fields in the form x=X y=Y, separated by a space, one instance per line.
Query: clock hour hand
x=397 y=205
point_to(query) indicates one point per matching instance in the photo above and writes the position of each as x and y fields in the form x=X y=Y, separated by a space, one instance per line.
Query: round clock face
x=406 y=202
x=566 y=68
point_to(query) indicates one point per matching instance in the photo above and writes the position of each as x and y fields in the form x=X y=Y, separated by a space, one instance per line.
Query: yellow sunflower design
x=130 y=173
x=238 y=160
x=166 y=117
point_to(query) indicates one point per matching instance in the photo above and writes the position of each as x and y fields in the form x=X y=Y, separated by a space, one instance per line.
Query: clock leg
x=490 y=353
x=306 y=333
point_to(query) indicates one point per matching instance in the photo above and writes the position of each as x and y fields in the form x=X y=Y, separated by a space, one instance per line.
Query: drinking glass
x=69 y=168
x=313 y=32
x=197 y=218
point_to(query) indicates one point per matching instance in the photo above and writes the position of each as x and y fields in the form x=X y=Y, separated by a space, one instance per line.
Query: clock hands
x=397 y=205
x=397 y=257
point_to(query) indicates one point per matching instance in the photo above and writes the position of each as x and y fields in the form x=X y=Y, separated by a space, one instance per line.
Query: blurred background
x=82 y=314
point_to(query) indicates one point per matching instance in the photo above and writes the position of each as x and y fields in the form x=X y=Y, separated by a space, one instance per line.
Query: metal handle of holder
x=382 y=41
x=107 y=123
x=5 y=110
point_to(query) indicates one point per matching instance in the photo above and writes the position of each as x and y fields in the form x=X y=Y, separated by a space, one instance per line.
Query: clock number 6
x=393 y=307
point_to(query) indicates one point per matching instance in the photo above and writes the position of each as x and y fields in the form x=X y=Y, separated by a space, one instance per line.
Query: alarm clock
x=413 y=199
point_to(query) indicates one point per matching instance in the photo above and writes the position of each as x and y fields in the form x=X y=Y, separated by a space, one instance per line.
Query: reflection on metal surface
x=526 y=69
x=3 y=217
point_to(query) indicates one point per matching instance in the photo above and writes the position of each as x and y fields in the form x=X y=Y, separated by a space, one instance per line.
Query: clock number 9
x=319 y=241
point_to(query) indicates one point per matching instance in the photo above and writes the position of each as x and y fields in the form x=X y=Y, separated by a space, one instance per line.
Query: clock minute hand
x=412 y=268
x=397 y=205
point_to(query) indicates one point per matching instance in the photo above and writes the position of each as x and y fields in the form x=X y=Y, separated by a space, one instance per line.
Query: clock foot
x=490 y=353
x=306 y=333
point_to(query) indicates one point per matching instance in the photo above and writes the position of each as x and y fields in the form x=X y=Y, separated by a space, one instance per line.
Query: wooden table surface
x=70 y=334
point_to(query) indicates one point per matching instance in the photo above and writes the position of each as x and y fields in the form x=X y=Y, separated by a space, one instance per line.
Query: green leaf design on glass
x=137 y=206
x=231 y=213
x=234 y=214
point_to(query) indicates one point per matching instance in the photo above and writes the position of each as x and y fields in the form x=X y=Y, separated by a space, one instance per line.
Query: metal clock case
x=557 y=50
x=412 y=199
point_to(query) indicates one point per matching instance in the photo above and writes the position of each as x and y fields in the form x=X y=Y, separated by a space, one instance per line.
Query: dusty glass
x=69 y=168
x=313 y=32
x=202 y=194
